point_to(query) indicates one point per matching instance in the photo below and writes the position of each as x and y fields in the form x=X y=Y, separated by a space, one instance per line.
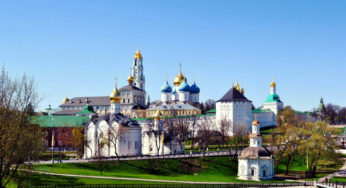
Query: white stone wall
x=184 y=96
x=165 y=97
x=237 y=112
x=273 y=106
x=266 y=119
x=245 y=167
x=128 y=142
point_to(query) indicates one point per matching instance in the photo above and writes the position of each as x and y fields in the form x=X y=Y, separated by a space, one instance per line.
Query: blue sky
x=76 y=48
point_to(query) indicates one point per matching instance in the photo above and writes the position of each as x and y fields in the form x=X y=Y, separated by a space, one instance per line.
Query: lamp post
x=53 y=143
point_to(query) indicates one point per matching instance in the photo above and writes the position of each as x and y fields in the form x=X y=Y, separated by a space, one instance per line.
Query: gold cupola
x=65 y=100
x=242 y=91
x=237 y=87
x=256 y=122
x=138 y=55
x=130 y=79
x=115 y=95
x=178 y=79
x=273 y=84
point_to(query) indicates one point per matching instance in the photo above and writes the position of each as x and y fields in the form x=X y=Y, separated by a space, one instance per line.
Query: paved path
x=221 y=153
x=138 y=179
x=339 y=173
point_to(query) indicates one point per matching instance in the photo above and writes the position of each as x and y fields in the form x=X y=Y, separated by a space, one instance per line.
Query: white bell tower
x=137 y=71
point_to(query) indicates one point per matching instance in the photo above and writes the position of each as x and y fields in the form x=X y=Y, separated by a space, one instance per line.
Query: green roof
x=59 y=121
x=87 y=109
x=213 y=111
x=273 y=98
x=259 y=110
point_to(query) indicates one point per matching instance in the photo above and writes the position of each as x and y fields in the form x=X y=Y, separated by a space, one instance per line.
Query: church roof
x=166 y=88
x=139 y=107
x=82 y=101
x=119 y=118
x=184 y=87
x=273 y=98
x=233 y=95
x=255 y=152
x=194 y=88
x=59 y=121
x=130 y=88
x=88 y=109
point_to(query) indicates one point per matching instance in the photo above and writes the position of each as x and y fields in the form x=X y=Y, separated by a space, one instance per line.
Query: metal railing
x=226 y=185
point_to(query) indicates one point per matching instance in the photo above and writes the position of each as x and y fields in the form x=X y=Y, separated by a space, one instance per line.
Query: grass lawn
x=42 y=179
x=212 y=169
x=338 y=179
x=298 y=167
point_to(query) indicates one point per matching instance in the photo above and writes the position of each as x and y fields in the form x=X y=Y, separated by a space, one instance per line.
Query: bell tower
x=137 y=71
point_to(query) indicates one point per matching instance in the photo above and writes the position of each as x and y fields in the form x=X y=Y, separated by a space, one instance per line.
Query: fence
x=260 y=184
x=332 y=184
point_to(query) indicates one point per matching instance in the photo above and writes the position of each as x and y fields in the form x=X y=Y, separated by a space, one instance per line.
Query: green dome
x=87 y=109
x=273 y=98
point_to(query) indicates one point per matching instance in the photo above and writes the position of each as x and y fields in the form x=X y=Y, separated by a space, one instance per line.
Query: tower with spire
x=255 y=162
x=273 y=101
x=137 y=71
x=115 y=100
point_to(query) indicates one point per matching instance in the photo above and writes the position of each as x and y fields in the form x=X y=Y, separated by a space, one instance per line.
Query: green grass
x=42 y=179
x=338 y=179
x=212 y=169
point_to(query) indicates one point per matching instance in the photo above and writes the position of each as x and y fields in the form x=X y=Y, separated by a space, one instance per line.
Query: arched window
x=252 y=171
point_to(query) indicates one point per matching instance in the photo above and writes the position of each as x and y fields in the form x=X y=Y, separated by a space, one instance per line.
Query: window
x=59 y=143
x=123 y=100
x=128 y=100
x=264 y=173
x=129 y=145
x=136 y=144
x=252 y=172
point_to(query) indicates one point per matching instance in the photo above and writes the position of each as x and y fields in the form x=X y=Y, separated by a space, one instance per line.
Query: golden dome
x=256 y=122
x=273 y=84
x=130 y=79
x=237 y=87
x=157 y=115
x=242 y=91
x=178 y=79
x=115 y=96
x=65 y=100
x=138 y=55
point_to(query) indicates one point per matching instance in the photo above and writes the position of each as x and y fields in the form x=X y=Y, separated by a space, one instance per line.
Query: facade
x=273 y=101
x=113 y=134
x=133 y=96
x=235 y=108
x=173 y=109
x=255 y=162
x=181 y=92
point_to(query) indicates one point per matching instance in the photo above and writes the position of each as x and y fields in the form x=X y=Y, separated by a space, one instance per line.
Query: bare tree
x=224 y=132
x=19 y=139
x=114 y=133
x=206 y=131
x=157 y=133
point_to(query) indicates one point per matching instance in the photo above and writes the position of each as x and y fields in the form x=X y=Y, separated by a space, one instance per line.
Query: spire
x=138 y=54
x=237 y=86
x=273 y=84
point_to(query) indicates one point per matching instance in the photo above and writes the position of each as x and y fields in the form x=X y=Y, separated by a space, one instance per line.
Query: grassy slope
x=212 y=169
x=41 y=179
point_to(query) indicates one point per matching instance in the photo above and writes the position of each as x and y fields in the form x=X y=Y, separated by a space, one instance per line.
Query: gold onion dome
x=115 y=96
x=138 y=55
x=65 y=100
x=178 y=79
x=130 y=79
x=237 y=86
x=242 y=91
x=256 y=122
x=273 y=84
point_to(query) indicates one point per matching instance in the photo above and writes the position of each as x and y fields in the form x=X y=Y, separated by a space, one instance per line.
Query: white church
x=255 y=162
